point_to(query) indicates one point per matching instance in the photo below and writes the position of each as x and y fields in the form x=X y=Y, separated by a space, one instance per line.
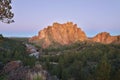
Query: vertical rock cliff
x=63 y=34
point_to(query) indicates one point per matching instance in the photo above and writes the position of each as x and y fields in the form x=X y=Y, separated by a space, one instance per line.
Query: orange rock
x=106 y=38
x=63 y=34
x=69 y=33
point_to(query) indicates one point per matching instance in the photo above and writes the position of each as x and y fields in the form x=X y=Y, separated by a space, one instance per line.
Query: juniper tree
x=5 y=11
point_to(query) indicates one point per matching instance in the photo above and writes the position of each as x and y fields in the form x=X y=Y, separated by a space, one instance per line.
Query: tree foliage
x=5 y=11
x=88 y=61
x=11 y=50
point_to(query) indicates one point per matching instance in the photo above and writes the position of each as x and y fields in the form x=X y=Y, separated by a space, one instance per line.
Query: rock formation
x=15 y=70
x=12 y=66
x=68 y=33
x=106 y=38
x=63 y=34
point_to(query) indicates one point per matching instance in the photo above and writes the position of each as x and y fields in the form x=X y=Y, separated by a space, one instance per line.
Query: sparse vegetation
x=78 y=61
x=11 y=50
x=37 y=77
x=84 y=61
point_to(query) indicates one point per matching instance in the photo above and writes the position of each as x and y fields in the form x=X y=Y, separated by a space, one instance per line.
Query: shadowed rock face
x=106 y=38
x=63 y=34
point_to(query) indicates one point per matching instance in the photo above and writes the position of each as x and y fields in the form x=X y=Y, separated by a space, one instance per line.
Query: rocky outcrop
x=12 y=66
x=63 y=34
x=106 y=38
x=32 y=50
x=68 y=33
x=15 y=70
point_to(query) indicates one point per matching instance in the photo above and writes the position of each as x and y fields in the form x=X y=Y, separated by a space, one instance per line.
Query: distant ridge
x=68 y=33
x=106 y=38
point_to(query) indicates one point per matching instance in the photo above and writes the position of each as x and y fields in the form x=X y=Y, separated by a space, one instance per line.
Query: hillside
x=83 y=61
x=11 y=50
x=14 y=59
x=70 y=55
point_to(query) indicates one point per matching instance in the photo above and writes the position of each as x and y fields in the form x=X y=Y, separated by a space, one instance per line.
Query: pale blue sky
x=93 y=16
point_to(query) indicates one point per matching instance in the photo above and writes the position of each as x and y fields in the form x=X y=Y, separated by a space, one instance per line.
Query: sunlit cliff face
x=106 y=38
x=63 y=34
x=69 y=33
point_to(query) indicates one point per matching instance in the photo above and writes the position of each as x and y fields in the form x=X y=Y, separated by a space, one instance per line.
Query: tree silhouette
x=5 y=11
